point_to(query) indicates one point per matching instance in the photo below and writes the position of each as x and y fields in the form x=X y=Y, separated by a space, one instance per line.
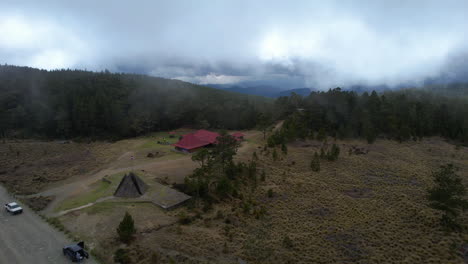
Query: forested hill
x=74 y=103
x=401 y=115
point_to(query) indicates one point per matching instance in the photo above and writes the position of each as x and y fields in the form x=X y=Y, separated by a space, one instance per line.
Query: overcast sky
x=318 y=44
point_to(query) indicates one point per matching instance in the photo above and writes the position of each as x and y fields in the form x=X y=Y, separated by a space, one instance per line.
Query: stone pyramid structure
x=131 y=186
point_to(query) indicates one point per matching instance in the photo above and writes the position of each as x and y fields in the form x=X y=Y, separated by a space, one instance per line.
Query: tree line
x=401 y=115
x=75 y=103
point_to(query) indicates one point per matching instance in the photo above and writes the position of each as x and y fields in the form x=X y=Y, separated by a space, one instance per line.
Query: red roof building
x=193 y=141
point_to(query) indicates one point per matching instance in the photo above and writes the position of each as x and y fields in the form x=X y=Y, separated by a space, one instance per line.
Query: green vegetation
x=287 y=242
x=98 y=190
x=55 y=222
x=284 y=149
x=334 y=153
x=399 y=115
x=448 y=196
x=121 y=256
x=126 y=229
x=73 y=103
x=315 y=163
x=275 y=155
x=219 y=177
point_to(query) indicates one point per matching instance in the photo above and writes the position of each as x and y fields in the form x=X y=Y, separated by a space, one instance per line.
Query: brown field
x=368 y=208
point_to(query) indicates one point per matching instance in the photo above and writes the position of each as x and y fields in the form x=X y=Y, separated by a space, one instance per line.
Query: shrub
x=333 y=154
x=315 y=163
x=270 y=193
x=155 y=258
x=121 y=256
x=321 y=135
x=219 y=214
x=184 y=219
x=224 y=187
x=126 y=228
x=207 y=206
x=322 y=153
x=275 y=155
x=284 y=149
x=55 y=222
x=246 y=207
x=225 y=248
x=287 y=242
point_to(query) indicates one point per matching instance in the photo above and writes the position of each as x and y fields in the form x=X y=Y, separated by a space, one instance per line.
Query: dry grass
x=361 y=209
x=29 y=166
x=368 y=208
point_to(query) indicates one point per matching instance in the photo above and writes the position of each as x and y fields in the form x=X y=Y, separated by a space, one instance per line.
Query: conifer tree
x=315 y=163
x=284 y=149
x=448 y=196
x=126 y=229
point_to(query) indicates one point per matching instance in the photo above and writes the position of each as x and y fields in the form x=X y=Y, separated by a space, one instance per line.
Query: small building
x=238 y=136
x=172 y=134
x=193 y=141
x=131 y=186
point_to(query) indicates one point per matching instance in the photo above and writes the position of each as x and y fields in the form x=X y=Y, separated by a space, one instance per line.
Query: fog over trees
x=74 y=103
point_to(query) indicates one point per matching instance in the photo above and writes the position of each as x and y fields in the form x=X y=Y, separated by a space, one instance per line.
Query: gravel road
x=26 y=238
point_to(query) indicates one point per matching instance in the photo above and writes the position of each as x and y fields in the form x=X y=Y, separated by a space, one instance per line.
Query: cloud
x=40 y=44
x=312 y=43
x=213 y=78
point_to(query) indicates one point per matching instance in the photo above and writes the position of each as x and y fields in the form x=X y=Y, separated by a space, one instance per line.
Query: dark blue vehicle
x=75 y=253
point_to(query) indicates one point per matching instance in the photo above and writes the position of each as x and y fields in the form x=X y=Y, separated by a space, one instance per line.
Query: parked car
x=75 y=253
x=13 y=208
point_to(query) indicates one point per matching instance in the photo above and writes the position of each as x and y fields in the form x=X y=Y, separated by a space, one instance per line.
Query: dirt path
x=26 y=238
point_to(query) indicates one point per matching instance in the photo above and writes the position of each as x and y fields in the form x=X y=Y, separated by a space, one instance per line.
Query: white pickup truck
x=13 y=208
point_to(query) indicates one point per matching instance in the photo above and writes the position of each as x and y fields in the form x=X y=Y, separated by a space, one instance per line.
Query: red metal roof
x=189 y=141
x=197 y=139
x=207 y=135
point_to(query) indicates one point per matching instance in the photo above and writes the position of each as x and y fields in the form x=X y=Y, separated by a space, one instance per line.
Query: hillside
x=74 y=103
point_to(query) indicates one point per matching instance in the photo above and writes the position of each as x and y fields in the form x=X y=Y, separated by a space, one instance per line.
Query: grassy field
x=99 y=189
x=27 y=167
x=368 y=208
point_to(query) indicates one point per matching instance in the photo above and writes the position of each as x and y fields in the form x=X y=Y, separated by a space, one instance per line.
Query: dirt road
x=26 y=238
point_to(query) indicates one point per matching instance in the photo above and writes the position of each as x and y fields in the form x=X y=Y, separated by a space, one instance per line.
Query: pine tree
x=275 y=155
x=333 y=154
x=126 y=229
x=321 y=136
x=284 y=149
x=448 y=196
x=322 y=153
x=315 y=163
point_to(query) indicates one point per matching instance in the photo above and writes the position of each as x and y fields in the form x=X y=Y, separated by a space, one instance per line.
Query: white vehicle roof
x=12 y=204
